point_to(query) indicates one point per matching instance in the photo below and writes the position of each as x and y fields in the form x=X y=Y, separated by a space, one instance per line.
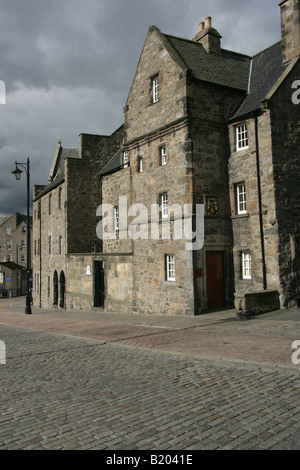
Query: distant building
x=13 y=254
x=203 y=127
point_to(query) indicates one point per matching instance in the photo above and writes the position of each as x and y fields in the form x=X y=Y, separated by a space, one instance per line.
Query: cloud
x=68 y=67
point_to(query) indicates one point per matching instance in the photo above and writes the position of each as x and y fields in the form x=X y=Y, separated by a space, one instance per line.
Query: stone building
x=207 y=129
x=13 y=253
x=64 y=218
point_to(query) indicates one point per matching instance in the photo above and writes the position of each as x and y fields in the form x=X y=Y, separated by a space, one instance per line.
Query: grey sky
x=68 y=67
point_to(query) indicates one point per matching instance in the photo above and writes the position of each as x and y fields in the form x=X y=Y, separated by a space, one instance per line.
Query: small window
x=155 y=89
x=8 y=257
x=241 y=137
x=23 y=259
x=140 y=165
x=163 y=156
x=23 y=243
x=8 y=244
x=116 y=218
x=50 y=204
x=59 y=198
x=49 y=243
x=60 y=245
x=49 y=287
x=125 y=159
x=246 y=265
x=241 y=201
x=164 y=205
x=170 y=268
x=8 y=230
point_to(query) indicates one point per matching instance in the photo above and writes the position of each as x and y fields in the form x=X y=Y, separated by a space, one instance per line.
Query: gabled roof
x=59 y=159
x=228 y=68
x=265 y=70
x=57 y=175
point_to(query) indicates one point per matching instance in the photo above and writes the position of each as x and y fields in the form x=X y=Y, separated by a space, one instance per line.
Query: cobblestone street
x=75 y=393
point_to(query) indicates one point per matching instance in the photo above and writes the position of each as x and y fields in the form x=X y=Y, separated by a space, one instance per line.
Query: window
x=125 y=159
x=246 y=265
x=60 y=245
x=163 y=156
x=164 y=205
x=35 y=247
x=170 y=267
x=8 y=244
x=23 y=259
x=8 y=257
x=155 y=89
x=50 y=204
x=49 y=243
x=241 y=201
x=140 y=164
x=23 y=243
x=49 y=286
x=116 y=218
x=8 y=230
x=241 y=137
x=59 y=197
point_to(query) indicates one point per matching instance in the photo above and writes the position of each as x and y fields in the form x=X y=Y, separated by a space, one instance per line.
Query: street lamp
x=17 y=172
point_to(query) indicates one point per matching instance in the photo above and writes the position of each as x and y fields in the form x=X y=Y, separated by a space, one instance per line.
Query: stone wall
x=141 y=114
x=285 y=117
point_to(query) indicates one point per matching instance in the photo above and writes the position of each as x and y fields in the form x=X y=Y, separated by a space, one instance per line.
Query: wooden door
x=215 y=279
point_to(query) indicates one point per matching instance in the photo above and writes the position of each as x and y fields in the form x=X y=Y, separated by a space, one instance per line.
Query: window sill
x=239 y=216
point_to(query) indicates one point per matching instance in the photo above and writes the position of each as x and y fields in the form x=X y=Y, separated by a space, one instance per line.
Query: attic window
x=155 y=89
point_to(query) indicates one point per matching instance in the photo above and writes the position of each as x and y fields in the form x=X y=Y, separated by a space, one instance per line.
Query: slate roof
x=59 y=176
x=228 y=68
x=114 y=164
x=266 y=69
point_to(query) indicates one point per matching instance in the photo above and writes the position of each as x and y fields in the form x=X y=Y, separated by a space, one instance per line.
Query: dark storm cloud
x=68 y=67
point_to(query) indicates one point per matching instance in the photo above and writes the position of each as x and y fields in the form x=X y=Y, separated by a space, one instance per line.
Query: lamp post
x=17 y=172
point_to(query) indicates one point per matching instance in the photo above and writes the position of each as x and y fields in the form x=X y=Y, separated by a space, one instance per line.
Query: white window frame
x=8 y=230
x=140 y=165
x=23 y=243
x=170 y=268
x=116 y=218
x=246 y=265
x=125 y=159
x=23 y=259
x=164 y=205
x=241 y=198
x=242 y=141
x=163 y=155
x=155 y=89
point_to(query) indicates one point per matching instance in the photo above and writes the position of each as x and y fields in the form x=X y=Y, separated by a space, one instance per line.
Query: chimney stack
x=208 y=36
x=290 y=29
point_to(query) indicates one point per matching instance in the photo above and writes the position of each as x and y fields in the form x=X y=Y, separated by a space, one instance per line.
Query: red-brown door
x=215 y=279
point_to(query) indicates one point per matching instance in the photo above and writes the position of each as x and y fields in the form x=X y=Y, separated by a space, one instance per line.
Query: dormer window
x=241 y=137
x=155 y=89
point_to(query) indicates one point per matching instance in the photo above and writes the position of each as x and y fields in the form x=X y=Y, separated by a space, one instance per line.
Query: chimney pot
x=201 y=26
x=208 y=22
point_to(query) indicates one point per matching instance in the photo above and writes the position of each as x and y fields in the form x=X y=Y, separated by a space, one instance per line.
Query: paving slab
x=266 y=340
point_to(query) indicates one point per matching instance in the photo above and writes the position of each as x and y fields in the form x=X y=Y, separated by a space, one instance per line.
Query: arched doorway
x=62 y=286
x=55 y=288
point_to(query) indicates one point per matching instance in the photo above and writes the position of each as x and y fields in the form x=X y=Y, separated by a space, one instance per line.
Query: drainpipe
x=260 y=205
